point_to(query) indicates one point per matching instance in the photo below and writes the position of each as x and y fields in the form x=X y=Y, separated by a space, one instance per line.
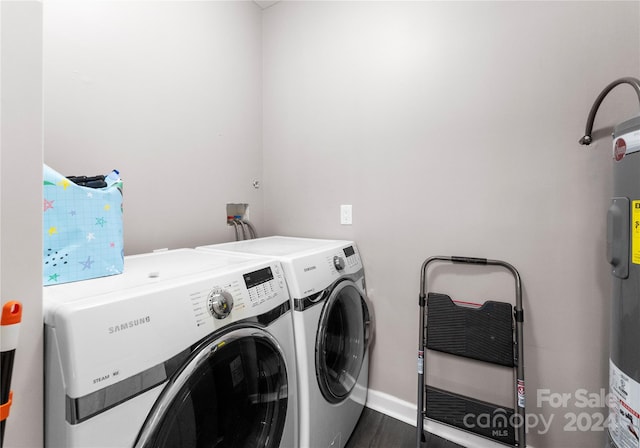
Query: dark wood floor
x=376 y=430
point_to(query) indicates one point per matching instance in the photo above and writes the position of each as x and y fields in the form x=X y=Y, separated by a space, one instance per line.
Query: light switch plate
x=346 y=214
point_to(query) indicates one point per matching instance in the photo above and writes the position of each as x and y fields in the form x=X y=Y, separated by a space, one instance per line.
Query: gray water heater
x=623 y=253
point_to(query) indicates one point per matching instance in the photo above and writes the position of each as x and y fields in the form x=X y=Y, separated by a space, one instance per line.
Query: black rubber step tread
x=484 y=333
x=471 y=415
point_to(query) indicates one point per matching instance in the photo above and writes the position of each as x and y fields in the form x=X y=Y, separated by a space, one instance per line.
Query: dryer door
x=232 y=392
x=341 y=342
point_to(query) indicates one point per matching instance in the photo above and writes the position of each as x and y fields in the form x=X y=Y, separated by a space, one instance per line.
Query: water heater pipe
x=633 y=82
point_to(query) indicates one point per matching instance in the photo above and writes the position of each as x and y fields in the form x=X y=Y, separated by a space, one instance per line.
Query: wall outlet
x=346 y=214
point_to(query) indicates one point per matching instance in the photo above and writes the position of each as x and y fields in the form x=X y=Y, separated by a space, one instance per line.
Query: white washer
x=184 y=349
x=332 y=329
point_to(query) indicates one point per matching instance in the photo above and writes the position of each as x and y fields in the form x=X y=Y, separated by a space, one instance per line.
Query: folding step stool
x=490 y=333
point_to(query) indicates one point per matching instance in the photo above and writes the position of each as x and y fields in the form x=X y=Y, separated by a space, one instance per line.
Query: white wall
x=452 y=128
x=169 y=93
x=21 y=208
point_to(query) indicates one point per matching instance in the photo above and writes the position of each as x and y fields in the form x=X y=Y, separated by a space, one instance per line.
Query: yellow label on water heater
x=635 y=232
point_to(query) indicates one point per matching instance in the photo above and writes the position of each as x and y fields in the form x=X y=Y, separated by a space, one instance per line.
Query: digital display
x=257 y=277
x=348 y=251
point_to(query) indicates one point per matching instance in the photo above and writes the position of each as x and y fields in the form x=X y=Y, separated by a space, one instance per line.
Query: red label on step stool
x=521 y=399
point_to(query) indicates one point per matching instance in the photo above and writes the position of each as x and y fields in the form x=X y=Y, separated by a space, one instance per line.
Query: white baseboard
x=393 y=407
x=408 y=413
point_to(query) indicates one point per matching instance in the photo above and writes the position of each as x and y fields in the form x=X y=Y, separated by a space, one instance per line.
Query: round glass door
x=341 y=342
x=231 y=393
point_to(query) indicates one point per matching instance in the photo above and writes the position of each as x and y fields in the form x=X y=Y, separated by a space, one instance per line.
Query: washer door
x=341 y=342
x=232 y=392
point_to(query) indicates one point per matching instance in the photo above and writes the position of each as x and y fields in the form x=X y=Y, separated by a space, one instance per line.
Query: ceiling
x=264 y=4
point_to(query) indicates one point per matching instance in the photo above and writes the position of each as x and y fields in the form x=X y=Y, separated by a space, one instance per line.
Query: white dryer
x=332 y=326
x=185 y=349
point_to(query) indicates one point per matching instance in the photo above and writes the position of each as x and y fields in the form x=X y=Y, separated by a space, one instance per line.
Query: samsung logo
x=310 y=268
x=129 y=325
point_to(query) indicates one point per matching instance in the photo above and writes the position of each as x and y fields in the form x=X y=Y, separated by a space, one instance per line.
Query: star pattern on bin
x=53 y=230
x=87 y=263
x=91 y=236
x=100 y=222
x=64 y=183
x=53 y=277
x=48 y=204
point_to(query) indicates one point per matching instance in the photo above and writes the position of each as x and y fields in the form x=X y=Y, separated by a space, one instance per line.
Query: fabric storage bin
x=82 y=230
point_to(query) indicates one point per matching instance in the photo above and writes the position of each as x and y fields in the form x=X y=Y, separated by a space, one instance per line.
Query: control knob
x=220 y=303
x=338 y=263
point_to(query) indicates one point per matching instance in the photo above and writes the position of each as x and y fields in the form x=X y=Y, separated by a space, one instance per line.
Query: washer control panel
x=240 y=295
x=263 y=284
